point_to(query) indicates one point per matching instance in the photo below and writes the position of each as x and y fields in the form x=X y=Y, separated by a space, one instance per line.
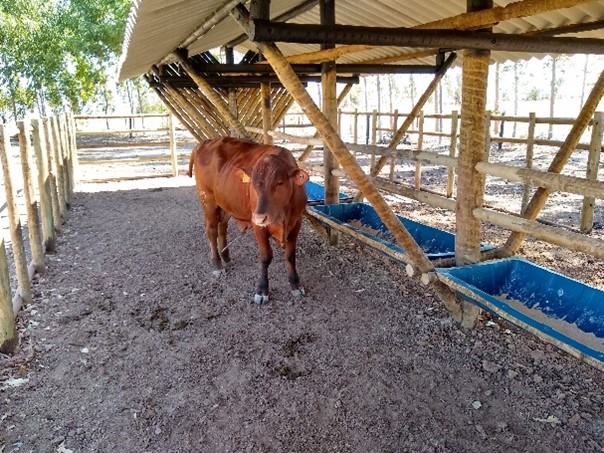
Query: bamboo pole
x=530 y=145
x=290 y=80
x=8 y=331
x=173 y=155
x=540 y=197
x=593 y=162
x=46 y=215
x=52 y=168
x=548 y=180
x=420 y=147
x=31 y=204
x=14 y=223
x=266 y=113
x=211 y=95
x=568 y=239
x=452 y=153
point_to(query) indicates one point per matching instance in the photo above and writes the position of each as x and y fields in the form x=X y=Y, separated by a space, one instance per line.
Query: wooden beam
x=265 y=31
x=464 y=21
x=548 y=180
x=336 y=145
x=209 y=69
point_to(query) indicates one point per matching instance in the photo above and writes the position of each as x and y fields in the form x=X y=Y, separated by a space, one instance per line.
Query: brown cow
x=260 y=186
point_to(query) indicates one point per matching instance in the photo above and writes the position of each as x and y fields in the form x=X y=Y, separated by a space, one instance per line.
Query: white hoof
x=218 y=273
x=299 y=292
x=260 y=299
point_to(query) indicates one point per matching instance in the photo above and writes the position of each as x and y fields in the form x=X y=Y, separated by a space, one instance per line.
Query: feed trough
x=316 y=194
x=558 y=309
x=360 y=221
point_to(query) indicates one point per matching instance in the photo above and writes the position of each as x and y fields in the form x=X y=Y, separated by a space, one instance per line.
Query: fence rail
x=137 y=126
x=46 y=149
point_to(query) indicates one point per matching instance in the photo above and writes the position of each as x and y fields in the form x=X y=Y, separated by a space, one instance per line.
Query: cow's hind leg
x=266 y=256
x=222 y=238
x=212 y=219
x=290 y=259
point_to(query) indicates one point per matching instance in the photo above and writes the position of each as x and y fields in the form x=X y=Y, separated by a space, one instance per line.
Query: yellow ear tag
x=245 y=177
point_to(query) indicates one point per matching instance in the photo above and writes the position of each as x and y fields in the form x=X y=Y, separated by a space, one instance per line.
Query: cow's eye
x=279 y=183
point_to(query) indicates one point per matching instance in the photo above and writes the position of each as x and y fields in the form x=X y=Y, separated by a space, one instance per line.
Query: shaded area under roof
x=157 y=27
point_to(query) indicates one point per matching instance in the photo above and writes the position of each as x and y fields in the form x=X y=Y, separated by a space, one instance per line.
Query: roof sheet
x=156 y=27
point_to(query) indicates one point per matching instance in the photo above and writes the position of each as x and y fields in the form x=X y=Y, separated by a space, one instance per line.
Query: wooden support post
x=470 y=189
x=74 y=163
x=52 y=168
x=530 y=144
x=394 y=128
x=420 y=147
x=8 y=331
x=374 y=127
x=233 y=107
x=31 y=204
x=211 y=94
x=58 y=165
x=330 y=110
x=267 y=122
x=14 y=223
x=173 y=154
x=64 y=153
x=46 y=215
x=452 y=153
x=540 y=196
x=487 y=136
x=292 y=83
x=356 y=127
x=593 y=162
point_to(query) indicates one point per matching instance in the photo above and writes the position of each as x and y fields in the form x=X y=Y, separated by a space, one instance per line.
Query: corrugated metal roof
x=156 y=27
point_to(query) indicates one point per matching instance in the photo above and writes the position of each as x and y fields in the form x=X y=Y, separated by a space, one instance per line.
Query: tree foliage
x=57 y=53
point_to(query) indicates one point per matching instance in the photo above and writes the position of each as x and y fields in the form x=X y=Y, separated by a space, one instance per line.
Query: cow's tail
x=192 y=159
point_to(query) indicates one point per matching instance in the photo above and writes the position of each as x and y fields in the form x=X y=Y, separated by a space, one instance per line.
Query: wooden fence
x=46 y=154
x=129 y=132
x=448 y=129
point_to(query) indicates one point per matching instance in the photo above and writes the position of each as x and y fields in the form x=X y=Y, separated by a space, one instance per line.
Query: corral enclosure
x=129 y=323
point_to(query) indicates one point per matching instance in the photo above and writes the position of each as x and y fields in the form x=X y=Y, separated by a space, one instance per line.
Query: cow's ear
x=300 y=177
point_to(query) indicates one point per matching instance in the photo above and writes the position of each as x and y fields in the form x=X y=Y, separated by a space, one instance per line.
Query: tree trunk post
x=52 y=168
x=420 y=147
x=31 y=204
x=470 y=192
x=593 y=162
x=530 y=145
x=8 y=331
x=173 y=154
x=40 y=149
x=16 y=233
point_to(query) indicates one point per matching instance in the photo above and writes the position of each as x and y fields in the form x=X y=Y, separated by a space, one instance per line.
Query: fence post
x=355 y=127
x=33 y=216
x=173 y=156
x=48 y=229
x=16 y=236
x=593 y=161
x=58 y=166
x=52 y=168
x=394 y=129
x=420 y=145
x=452 y=152
x=530 y=144
x=8 y=331
x=487 y=136
x=64 y=156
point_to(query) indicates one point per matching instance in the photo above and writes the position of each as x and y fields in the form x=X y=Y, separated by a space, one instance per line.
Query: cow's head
x=274 y=180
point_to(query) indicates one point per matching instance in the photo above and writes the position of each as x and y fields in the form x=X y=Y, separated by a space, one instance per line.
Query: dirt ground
x=131 y=345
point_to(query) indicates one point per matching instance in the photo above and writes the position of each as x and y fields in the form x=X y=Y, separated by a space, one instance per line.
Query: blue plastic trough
x=360 y=221
x=562 y=311
x=316 y=194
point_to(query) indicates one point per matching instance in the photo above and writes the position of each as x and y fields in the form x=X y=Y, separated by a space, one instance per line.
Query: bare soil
x=131 y=345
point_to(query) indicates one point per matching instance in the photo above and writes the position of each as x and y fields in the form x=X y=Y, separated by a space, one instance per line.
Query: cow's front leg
x=290 y=259
x=266 y=256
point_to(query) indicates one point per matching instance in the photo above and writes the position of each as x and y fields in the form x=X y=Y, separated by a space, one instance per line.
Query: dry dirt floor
x=131 y=345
